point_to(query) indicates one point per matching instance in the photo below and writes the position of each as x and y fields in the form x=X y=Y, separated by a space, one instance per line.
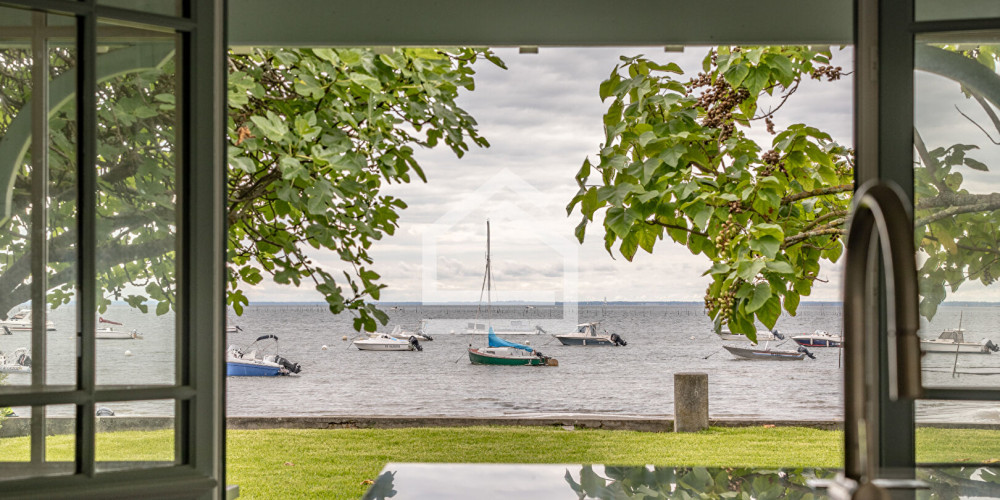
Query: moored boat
x=502 y=352
x=21 y=321
x=586 y=335
x=402 y=333
x=762 y=336
x=251 y=361
x=819 y=338
x=768 y=354
x=952 y=341
x=513 y=327
x=18 y=361
x=109 y=333
x=499 y=351
x=386 y=342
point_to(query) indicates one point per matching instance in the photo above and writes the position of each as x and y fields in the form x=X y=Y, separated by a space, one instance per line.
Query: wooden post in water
x=690 y=402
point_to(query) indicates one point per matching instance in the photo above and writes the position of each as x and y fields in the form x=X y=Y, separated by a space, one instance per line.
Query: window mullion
x=86 y=284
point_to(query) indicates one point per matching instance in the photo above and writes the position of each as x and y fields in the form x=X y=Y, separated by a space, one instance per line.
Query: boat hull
x=817 y=342
x=364 y=346
x=14 y=369
x=478 y=357
x=236 y=369
x=951 y=347
x=118 y=335
x=764 y=354
x=584 y=341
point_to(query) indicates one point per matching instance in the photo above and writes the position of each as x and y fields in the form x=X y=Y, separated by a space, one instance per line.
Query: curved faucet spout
x=879 y=217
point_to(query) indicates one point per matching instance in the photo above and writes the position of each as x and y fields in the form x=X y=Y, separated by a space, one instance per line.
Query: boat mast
x=489 y=277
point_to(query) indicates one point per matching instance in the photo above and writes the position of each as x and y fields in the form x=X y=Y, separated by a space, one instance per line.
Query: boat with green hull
x=499 y=351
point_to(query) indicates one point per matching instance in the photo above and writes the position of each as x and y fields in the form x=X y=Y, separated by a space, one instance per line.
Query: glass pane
x=39 y=185
x=24 y=453
x=957 y=198
x=136 y=202
x=957 y=431
x=937 y=10
x=164 y=7
x=135 y=435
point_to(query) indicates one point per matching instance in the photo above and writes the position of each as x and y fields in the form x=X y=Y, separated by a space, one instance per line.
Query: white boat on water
x=21 y=321
x=586 y=334
x=762 y=336
x=111 y=333
x=18 y=361
x=253 y=361
x=952 y=341
x=386 y=342
x=401 y=332
x=819 y=338
x=514 y=327
x=767 y=354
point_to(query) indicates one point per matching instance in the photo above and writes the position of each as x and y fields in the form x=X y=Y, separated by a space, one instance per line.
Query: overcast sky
x=542 y=117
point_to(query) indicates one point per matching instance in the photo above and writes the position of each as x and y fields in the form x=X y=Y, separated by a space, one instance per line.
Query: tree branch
x=843 y=188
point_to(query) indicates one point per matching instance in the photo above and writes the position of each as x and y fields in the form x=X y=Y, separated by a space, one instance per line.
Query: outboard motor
x=6 y=331
x=990 y=346
x=415 y=344
x=288 y=365
x=803 y=349
x=777 y=335
x=617 y=340
x=104 y=411
x=24 y=359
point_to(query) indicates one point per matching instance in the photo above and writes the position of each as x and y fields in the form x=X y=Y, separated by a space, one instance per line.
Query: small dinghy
x=17 y=362
x=769 y=354
x=253 y=361
x=386 y=342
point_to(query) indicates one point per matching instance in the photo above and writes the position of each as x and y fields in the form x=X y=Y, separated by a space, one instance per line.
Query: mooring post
x=690 y=402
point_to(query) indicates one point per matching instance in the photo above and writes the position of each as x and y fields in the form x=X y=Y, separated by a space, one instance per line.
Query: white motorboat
x=952 y=341
x=251 y=361
x=17 y=362
x=767 y=354
x=402 y=333
x=819 y=338
x=762 y=336
x=111 y=333
x=21 y=321
x=386 y=342
x=586 y=334
x=514 y=327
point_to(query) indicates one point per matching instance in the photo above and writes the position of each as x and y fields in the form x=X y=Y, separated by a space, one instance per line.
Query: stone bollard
x=690 y=402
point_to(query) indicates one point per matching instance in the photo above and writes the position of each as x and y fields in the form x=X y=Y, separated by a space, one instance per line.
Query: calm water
x=635 y=380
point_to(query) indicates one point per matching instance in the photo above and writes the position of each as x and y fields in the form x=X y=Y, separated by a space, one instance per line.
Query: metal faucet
x=880 y=220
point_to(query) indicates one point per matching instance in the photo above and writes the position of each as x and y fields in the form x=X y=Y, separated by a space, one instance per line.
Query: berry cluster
x=722 y=304
x=772 y=160
x=718 y=100
x=770 y=125
x=830 y=72
x=729 y=230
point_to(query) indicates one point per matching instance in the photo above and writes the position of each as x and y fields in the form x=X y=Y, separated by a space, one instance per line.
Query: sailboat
x=497 y=350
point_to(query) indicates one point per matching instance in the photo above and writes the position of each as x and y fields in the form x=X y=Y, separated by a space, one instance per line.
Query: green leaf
x=761 y=292
x=768 y=246
x=736 y=74
x=748 y=269
x=780 y=267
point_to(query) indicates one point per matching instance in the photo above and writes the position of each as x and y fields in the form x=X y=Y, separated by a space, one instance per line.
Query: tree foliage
x=314 y=137
x=677 y=163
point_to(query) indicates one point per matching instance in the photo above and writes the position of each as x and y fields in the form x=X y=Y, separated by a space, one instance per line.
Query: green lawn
x=333 y=463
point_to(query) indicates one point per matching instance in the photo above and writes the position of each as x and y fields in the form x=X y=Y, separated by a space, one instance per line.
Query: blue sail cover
x=499 y=342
